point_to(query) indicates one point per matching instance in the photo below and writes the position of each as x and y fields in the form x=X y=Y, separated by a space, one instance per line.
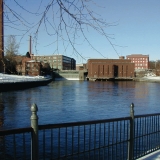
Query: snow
x=151 y=76
x=18 y=78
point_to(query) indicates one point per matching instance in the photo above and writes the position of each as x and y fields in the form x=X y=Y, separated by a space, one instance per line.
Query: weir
x=70 y=75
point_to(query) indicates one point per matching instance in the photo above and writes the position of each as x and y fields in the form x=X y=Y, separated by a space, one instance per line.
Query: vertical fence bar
x=104 y=134
x=99 y=150
x=34 y=125
x=78 y=142
x=14 y=144
x=66 y=138
x=44 y=143
x=24 y=147
x=131 y=135
x=89 y=141
x=109 y=140
x=51 y=143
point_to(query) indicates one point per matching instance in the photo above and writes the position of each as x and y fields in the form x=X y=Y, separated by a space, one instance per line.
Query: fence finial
x=132 y=110
x=34 y=109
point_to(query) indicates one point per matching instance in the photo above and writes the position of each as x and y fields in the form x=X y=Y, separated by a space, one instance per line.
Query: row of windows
x=138 y=58
x=140 y=64
x=66 y=61
x=140 y=61
x=140 y=67
x=52 y=57
x=66 y=58
x=54 y=60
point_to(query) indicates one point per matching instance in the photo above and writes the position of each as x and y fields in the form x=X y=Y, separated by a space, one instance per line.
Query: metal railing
x=15 y=144
x=120 y=138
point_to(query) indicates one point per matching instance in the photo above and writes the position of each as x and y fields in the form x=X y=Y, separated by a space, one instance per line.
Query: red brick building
x=26 y=66
x=140 y=61
x=110 y=68
x=33 y=68
x=20 y=67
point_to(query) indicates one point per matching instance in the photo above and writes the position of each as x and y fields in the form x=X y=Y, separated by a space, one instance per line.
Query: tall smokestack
x=30 y=45
x=1 y=30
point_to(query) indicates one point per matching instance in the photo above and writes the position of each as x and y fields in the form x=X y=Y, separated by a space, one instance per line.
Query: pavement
x=152 y=156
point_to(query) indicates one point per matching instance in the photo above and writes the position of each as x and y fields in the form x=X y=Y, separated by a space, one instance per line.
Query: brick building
x=140 y=61
x=21 y=67
x=26 y=66
x=57 y=61
x=110 y=68
x=33 y=68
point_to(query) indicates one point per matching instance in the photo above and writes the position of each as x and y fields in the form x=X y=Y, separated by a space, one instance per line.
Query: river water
x=68 y=101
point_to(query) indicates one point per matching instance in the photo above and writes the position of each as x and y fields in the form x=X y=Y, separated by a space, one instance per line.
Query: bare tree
x=11 y=46
x=67 y=20
x=11 y=50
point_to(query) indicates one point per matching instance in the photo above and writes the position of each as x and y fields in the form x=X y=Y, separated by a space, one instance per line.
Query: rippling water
x=66 y=101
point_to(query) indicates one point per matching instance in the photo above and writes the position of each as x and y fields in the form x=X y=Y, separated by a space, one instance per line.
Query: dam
x=70 y=75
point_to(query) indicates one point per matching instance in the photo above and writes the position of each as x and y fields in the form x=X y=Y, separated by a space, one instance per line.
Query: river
x=68 y=101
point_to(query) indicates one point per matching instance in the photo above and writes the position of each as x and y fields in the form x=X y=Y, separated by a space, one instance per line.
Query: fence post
x=34 y=125
x=131 y=134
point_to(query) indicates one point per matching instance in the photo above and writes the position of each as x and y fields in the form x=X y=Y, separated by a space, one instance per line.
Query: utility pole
x=1 y=31
x=1 y=37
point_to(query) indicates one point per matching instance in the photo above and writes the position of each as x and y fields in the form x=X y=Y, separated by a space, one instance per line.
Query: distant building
x=27 y=66
x=140 y=61
x=20 y=67
x=33 y=68
x=60 y=62
x=110 y=68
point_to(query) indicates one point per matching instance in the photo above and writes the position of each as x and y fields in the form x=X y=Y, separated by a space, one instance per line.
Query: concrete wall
x=69 y=75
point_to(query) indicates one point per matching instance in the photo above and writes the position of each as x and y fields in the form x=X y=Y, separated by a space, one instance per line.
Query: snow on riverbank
x=17 y=78
x=151 y=77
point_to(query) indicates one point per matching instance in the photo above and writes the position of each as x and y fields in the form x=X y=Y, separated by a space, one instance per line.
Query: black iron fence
x=113 y=139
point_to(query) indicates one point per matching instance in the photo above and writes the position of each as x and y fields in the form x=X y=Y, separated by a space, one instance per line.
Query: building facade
x=140 y=61
x=33 y=68
x=110 y=68
x=60 y=62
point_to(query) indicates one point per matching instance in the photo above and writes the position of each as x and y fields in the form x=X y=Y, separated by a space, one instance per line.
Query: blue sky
x=135 y=30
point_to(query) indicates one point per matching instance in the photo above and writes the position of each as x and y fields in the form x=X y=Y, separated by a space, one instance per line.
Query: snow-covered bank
x=15 y=82
x=149 y=78
x=18 y=78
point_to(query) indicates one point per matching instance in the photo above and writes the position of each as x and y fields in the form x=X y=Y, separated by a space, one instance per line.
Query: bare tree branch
x=67 y=20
